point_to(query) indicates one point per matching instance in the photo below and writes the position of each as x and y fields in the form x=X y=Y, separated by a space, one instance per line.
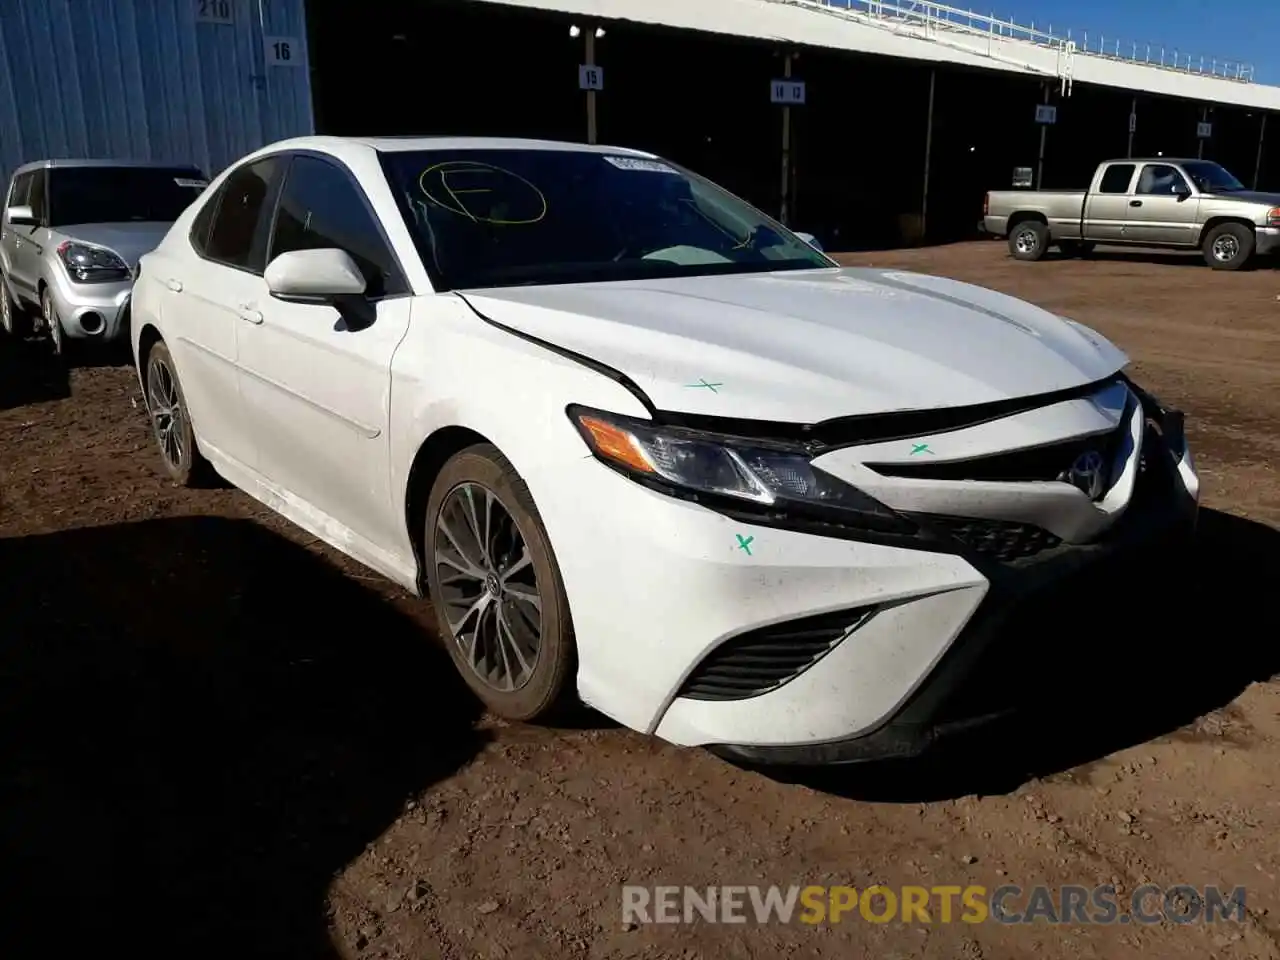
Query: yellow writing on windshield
x=483 y=193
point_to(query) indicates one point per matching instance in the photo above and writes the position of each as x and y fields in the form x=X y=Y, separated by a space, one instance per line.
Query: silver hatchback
x=72 y=234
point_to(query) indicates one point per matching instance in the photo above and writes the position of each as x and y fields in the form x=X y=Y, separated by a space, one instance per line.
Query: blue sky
x=1237 y=30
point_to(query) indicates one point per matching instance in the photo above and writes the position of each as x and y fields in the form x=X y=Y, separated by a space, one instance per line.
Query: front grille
x=762 y=660
x=1047 y=462
x=998 y=539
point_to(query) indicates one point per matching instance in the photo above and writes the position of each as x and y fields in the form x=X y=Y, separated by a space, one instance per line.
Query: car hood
x=1247 y=196
x=810 y=345
x=128 y=240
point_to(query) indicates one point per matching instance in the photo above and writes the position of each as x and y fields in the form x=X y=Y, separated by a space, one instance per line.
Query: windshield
x=490 y=218
x=121 y=194
x=1211 y=178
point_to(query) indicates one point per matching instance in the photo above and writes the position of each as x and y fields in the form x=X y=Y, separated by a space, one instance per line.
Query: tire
x=14 y=319
x=517 y=656
x=171 y=422
x=52 y=324
x=1228 y=246
x=1029 y=240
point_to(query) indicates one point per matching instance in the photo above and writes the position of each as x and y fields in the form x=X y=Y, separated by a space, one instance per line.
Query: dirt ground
x=219 y=738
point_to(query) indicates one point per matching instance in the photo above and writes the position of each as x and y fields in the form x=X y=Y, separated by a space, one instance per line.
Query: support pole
x=1044 y=134
x=1204 y=118
x=785 y=215
x=928 y=152
x=1133 y=123
x=1257 y=167
x=590 y=35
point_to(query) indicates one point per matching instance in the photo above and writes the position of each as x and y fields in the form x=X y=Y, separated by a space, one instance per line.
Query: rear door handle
x=1135 y=203
x=174 y=285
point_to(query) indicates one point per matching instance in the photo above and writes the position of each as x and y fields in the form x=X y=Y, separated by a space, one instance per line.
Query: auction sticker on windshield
x=640 y=164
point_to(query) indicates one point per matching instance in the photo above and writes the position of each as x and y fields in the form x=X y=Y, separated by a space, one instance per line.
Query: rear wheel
x=1028 y=240
x=13 y=317
x=1228 y=246
x=495 y=587
x=170 y=421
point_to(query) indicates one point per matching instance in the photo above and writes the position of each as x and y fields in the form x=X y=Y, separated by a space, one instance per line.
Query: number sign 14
x=283 y=51
x=214 y=11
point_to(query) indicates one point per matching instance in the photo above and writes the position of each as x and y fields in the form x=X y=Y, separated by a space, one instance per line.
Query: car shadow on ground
x=201 y=723
x=1116 y=672
x=30 y=373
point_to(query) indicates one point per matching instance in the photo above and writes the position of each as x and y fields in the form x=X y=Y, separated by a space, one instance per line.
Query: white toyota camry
x=639 y=443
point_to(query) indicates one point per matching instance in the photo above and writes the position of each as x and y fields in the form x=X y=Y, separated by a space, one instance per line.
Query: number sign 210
x=213 y=11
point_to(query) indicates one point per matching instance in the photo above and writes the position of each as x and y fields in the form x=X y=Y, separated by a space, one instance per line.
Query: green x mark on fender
x=918 y=448
x=744 y=543
x=702 y=384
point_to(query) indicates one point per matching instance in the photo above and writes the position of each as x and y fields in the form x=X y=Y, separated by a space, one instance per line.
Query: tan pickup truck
x=1178 y=204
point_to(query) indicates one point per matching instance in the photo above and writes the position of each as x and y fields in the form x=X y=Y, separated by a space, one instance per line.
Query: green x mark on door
x=744 y=543
x=918 y=448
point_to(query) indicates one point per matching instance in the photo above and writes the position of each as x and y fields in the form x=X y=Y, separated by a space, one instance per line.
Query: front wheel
x=495 y=587
x=1029 y=240
x=1228 y=246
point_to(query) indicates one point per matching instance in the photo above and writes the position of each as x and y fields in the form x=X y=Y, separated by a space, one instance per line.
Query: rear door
x=1106 y=209
x=205 y=301
x=1163 y=209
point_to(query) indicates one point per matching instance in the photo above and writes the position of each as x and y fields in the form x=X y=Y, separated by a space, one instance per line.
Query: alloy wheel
x=1025 y=241
x=489 y=590
x=1226 y=248
x=167 y=417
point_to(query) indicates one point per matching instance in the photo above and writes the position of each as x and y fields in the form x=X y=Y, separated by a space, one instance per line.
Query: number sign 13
x=283 y=51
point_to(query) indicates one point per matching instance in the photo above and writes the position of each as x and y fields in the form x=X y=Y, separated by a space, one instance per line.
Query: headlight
x=778 y=481
x=89 y=264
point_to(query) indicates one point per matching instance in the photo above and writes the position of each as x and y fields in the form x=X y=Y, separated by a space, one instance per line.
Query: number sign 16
x=283 y=51
x=213 y=11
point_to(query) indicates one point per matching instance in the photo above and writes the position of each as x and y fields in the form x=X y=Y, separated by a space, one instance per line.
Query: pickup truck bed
x=1176 y=204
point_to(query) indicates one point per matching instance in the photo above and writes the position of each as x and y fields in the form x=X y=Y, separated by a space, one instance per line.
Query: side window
x=36 y=198
x=199 y=235
x=240 y=208
x=322 y=206
x=1117 y=178
x=20 y=190
x=1159 y=179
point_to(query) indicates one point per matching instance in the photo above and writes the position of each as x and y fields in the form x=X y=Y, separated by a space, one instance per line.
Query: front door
x=316 y=388
x=1162 y=210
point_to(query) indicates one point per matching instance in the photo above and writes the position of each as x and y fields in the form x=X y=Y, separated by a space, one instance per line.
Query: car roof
x=339 y=145
x=73 y=163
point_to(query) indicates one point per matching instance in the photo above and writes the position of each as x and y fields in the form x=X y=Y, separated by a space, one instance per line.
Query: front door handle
x=1135 y=203
x=249 y=315
x=174 y=285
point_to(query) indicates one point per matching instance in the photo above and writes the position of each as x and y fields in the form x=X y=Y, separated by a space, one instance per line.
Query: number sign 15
x=214 y=11
x=283 y=51
x=590 y=77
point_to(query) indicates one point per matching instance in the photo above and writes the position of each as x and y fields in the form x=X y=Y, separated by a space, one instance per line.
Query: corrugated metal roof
x=149 y=80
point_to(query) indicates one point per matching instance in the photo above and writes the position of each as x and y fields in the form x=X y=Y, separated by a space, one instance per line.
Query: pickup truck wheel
x=1028 y=240
x=1228 y=246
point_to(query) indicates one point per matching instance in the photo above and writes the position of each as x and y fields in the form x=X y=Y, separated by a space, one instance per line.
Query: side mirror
x=1182 y=192
x=810 y=239
x=326 y=276
x=21 y=216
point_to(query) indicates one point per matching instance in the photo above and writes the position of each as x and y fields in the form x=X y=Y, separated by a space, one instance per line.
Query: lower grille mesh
x=998 y=539
x=754 y=663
